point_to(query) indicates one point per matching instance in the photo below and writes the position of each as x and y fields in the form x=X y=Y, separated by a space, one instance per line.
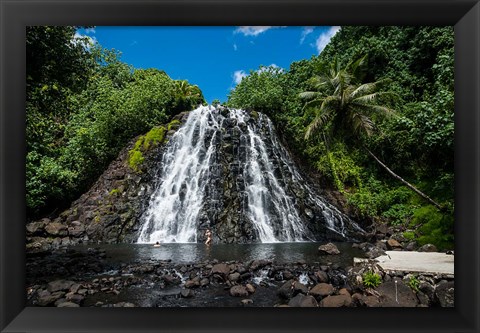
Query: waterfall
x=225 y=169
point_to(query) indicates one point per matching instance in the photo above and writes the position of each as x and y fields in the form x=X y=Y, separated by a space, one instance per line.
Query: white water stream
x=173 y=212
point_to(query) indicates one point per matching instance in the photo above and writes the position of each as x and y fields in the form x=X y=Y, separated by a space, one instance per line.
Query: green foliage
x=262 y=90
x=339 y=166
x=414 y=283
x=135 y=156
x=371 y=279
x=409 y=235
x=174 y=124
x=83 y=106
x=154 y=136
x=135 y=160
x=434 y=227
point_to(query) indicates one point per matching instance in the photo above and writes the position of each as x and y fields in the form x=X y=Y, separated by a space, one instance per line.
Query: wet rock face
x=245 y=147
x=250 y=189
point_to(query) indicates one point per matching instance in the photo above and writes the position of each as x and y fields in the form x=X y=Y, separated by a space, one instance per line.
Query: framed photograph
x=119 y=200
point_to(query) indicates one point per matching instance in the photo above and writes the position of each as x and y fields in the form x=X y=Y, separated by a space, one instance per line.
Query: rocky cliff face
x=233 y=177
x=109 y=212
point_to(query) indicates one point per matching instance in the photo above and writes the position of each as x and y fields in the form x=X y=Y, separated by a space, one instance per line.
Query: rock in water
x=239 y=291
x=328 y=248
x=222 y=269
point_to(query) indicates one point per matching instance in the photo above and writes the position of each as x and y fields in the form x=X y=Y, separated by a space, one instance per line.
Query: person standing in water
x=208 y=234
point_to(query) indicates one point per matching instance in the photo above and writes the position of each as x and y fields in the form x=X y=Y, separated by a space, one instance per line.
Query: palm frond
x=362 y=124
x=308 y=95
x=315 y=104
x=319 y=122
x=380 y=109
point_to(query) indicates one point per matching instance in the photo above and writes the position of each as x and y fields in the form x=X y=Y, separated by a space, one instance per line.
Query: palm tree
x=344 y=106
x=187 y=95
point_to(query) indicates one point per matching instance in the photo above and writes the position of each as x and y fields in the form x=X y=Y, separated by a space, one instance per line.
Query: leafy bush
x=371 y=279
x=413 y=283
x=434 y=227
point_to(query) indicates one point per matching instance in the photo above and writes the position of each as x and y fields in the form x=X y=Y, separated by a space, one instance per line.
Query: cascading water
x=226 y=169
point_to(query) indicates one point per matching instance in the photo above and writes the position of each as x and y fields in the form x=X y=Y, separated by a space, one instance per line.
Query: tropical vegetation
x=83 y=106
x=373 y=117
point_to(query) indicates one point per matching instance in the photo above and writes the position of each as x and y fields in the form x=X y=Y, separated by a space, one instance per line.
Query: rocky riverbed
x=73 y=278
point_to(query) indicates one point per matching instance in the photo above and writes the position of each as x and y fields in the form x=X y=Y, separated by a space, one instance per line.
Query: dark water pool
x=185 y=261
x=192 y=253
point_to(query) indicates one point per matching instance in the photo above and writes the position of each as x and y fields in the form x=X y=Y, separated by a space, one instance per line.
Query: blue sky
x=214 y=58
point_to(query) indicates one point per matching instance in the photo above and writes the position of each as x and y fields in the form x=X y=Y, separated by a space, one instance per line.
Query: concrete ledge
x=415 y=262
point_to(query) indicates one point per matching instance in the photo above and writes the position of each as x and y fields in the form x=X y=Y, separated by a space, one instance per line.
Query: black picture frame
x=15 y=15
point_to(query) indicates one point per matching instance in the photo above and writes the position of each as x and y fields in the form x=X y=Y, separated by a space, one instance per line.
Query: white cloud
x=90 y=30
x=235 y=47
x=265 y=68
x=238 y=76
x=254 y=30
x=305 y=32
x=85 y=40
x=325 y=37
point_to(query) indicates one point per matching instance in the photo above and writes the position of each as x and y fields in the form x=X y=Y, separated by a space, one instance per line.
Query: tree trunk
x=413 y=188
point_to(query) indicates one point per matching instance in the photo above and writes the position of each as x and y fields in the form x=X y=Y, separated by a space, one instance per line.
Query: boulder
x=375 y=252
x=286 y=291
x=195 y=282
x=76 y=231
x=56 y=229
x=44 y=297
x=393 y=244
x=222 y=269
x=256 y=264
x=344 y=291
x=303 y=301
x=371 y=301
x=427 y=248
x=445 y=293
x=68 y=305
x=234 y=277
x=396 y=294
x=75 y=298
x=246 y=301
x=187 y=293
x=59 y=285
x=239 y=291
x=328 y=248
x=298 y=287
x=322 y=289
x=321 y=276
x=34 y=228
x=250 y=288
x=336 y=301
x=204 y=282
x=411 y=246
x=383 y=229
